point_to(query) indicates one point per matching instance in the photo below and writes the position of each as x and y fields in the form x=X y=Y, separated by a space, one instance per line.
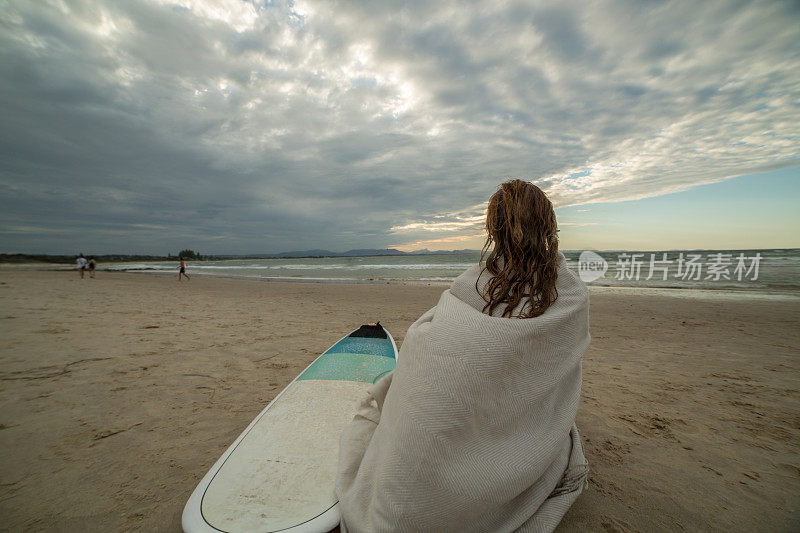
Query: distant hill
x=359 y=252
x=442 y=252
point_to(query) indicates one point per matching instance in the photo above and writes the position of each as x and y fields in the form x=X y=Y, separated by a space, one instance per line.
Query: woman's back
x=474 y=430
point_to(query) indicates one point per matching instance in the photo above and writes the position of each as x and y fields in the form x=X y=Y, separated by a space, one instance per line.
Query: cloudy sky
x=243 y=127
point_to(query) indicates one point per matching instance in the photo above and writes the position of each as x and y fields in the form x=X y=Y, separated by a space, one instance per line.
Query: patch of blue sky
x=364 y=82
x=752 y=211
x=580 y=174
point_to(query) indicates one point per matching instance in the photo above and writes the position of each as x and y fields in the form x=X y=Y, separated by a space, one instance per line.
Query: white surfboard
x=278 y=475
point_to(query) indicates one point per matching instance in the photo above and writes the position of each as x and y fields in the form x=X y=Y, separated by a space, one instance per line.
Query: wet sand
x=118 y=393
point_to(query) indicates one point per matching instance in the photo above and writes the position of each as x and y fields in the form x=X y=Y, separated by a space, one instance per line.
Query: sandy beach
x=118 y=393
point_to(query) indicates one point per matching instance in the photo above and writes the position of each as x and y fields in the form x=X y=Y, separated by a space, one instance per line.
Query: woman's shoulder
x=464 y=287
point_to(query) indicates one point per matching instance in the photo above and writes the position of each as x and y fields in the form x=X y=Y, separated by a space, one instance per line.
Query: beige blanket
x=475 y=428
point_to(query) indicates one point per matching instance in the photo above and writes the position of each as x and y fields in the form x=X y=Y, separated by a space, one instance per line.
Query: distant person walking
x=183 y=270
x=81 y=264
x=91 y=265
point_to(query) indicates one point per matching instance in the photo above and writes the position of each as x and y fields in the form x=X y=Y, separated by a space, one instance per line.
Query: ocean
x=770 y=270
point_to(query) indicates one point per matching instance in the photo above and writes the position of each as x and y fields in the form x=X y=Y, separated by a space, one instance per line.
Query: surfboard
x=278 y=475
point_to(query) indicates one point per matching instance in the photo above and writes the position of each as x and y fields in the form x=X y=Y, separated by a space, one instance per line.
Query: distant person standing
x=182 y=269
x=91 y=265
x=81 y=264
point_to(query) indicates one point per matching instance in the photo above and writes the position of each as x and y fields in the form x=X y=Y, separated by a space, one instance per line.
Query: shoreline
x=690 y=292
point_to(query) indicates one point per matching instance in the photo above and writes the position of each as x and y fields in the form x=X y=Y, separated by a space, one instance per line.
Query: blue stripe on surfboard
x=366 y=368
x=366 y=345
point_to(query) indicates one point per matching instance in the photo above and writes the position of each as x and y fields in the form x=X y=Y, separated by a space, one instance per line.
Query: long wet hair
x=522 y=246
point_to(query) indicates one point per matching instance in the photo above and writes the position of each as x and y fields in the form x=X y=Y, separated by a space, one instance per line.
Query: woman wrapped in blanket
x=475 y=430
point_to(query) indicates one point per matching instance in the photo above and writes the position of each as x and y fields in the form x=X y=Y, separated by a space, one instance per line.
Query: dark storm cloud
x=240 y=126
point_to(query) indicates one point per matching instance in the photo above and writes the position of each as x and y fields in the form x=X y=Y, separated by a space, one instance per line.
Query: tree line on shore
x=106 y=258
x=192 y=255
